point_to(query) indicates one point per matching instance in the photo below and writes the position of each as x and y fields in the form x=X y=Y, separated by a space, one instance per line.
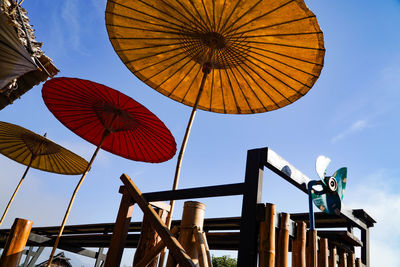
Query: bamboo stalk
x=16 y=242
x=332 y=257
x=283 y=241
x=105 y=134
x=299 y=246
x=312 y=260
x=342 y=259
x=323 y=253
x=351 y=260
x=267 y=237
x=180 y=156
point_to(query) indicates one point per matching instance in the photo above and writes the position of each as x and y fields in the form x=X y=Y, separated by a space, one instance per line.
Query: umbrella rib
x=156 y=54
x=284 y=34
x=222 y=90
x=286 y=45
x=186 y=75
x=211 y=89
x=283 y=55
x=149 y=47
x=155 y=142
x=220 y=17
x=259 y=86
x=203 y=22
x=283 y=63
x=256 y=18
x=221 y=30
x=259 y=100
x=190 y=86
x=147 y=30
x=241 y=90
x=213 y=16
x=196 y=21
x=228 y=29
x=306 y=85
x=149 y=15
x=274 y=25
x=249 y=87
x=188 y=23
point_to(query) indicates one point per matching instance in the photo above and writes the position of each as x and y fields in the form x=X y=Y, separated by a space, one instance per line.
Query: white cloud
x=377 y=197
x=355 y=127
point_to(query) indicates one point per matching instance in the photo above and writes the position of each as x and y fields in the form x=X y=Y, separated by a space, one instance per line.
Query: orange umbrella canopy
x=36 y=151
x=263 y=54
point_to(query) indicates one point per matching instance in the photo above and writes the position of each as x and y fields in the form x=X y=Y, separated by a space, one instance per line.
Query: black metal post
x=365 y=257
x=248 y=246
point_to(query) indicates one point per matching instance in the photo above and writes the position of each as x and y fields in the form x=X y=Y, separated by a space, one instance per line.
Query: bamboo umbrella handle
x=15 y=192
x=106 y=133
x=206 y=71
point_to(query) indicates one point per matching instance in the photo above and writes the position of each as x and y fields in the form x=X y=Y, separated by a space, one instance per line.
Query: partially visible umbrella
x=109 y=120
x=237 y=57
x=36 y=151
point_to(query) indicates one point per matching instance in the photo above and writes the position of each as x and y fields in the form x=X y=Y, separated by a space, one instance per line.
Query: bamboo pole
x=16 y=242
x=192 y=217
x=323 y=254
x=283 y=241
x=312 y=259
x=267 y=237
x=206 y=71
x=332 y=257
x=351 y=260
x=16 y=190
x=299 y=246
x=342 y=259
x=105 y=134
x=201 y=248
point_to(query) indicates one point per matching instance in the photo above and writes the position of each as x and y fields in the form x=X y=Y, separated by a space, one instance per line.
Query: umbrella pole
x=206 y=71
x=106 y=133
x=16 y=190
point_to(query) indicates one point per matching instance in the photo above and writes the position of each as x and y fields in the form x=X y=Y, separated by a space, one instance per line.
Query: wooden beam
x=173 y=245
x=267 y=237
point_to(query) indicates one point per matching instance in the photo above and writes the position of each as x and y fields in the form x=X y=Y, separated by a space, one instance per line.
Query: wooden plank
x=299 y=246
x=358 y=262
x=323 y=253
x=351 y=260
x=282 y=249
x=120 y=232
x=267 y=237
x=16 y=242
x=173 y=245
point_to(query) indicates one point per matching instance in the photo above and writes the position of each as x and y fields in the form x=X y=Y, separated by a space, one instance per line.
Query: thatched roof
x=22 y=62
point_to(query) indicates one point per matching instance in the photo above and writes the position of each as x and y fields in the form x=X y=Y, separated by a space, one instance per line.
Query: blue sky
x=351 y=115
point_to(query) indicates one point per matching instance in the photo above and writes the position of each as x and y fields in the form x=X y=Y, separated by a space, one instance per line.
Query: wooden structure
x=238 y=233
x=22 y=62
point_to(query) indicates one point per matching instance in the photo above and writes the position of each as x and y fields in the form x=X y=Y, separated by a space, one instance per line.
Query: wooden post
x=351 y=260
x=16 y=242
x=312 y=259
x=148 y=239
x=342 y=259
x=170 y=241
x=332 y=257
x=121 y=227
x=323 y=254
x=283 y=241
x=299 y=246
x=192 y=217
x=267 y=237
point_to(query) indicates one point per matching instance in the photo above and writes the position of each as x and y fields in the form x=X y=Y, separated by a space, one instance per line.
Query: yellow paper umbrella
x=36 y=151
x=237 y=57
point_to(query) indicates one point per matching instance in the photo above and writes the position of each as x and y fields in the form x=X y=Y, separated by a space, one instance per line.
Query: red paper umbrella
x=91 y=110
x=108 y=119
